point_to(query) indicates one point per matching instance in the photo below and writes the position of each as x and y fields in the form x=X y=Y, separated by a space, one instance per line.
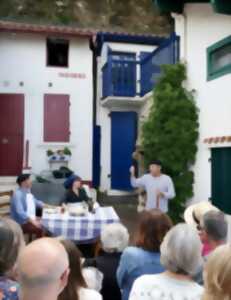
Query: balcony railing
x=120 y=77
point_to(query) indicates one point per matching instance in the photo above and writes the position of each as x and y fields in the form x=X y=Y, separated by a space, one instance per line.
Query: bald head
x=42 y=263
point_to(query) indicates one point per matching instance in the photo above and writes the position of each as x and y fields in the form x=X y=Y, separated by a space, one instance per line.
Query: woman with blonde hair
x=217 y=274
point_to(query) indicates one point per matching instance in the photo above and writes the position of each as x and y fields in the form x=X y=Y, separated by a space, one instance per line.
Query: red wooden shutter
x=56 y=118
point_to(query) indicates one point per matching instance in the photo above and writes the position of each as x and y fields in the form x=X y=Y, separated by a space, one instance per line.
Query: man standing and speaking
x=159 y=187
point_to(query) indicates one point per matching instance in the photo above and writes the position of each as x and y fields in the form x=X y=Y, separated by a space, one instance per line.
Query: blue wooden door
x=123 y=139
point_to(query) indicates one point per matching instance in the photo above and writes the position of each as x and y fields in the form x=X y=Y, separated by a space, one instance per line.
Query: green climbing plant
x=170 y=133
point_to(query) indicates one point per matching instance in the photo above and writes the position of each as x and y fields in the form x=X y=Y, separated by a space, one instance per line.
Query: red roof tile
x=51 y=29
x=217 y=139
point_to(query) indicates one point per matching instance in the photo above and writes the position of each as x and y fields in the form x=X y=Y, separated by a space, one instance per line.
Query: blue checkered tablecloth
x=79 y=229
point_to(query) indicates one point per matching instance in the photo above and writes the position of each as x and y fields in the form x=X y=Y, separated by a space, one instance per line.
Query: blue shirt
x=134 y=263
x=9 y=290
x=18 y=207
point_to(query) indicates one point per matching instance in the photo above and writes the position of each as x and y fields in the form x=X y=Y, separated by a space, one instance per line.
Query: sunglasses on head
x=198 y=226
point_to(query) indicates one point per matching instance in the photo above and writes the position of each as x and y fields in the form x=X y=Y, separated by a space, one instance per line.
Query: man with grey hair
x=214 y=229
x=43 y=270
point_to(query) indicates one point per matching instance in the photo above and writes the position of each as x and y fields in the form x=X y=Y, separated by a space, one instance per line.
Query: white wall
x=103 y=118
x=199 y=29
x=23 y=58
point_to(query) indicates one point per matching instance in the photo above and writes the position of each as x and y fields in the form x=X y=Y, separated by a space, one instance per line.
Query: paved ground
x=125 y=207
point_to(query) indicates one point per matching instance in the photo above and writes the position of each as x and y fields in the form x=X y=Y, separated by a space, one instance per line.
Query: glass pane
x=123 y=56
x=221 y=58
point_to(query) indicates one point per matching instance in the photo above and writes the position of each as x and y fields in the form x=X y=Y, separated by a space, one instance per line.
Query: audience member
x=76 y=288
x=193 y=215
x=11 y=242
x=181 y=256
x=43 y=270
x=213 y=229
x=144 y=257
x=217 y=274
x=114 y=239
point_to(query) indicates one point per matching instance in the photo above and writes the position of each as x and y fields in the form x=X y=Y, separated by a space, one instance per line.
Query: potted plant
x=50 y=152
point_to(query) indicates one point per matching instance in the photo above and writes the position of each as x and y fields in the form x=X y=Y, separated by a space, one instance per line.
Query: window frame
x=68 y=52
x=210 y=50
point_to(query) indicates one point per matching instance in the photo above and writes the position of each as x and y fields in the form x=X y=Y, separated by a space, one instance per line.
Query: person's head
x=73 y=182
x=11 y=242
x=76 y=279
x=24 y=181
x=43 y=269
x=217 y=274
x=114 y=237
x=153 y=226
x=181 y=250
x=155 y=167
x=77 y=183
x=214 y=228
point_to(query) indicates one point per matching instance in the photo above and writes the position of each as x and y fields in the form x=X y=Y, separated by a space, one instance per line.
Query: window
x=219 y=59
x=57 y=52
x=56 y=118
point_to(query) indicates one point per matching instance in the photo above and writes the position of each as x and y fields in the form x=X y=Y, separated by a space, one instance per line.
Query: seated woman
x=76 y=288
x=217 y=274
x=114 y=239
x=75 y=192
x=11 y=242
x=181 y=257
x=144 y=257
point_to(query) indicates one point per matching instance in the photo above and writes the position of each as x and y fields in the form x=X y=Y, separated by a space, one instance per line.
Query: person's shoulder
x=166 y=177
x=18 y=193
x=133 y=251
x=89 y=294
x=147 y=281
x=197 y=287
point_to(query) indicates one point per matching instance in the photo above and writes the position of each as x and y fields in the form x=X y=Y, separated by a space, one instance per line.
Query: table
x=80 y=229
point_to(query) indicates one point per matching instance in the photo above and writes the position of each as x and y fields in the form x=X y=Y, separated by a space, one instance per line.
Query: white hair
x=181 y=250
x=114 y=237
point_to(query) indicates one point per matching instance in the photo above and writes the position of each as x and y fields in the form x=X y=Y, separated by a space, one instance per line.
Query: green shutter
x=222 y=71
x=221 y=178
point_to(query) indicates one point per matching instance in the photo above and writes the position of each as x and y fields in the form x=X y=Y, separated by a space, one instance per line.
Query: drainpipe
x=181 y=30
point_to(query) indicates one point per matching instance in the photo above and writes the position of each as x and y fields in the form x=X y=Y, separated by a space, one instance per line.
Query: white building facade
x=205 y=46
x=46 y=89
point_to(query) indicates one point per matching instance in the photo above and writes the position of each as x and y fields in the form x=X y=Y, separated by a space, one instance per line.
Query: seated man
x=23 y=206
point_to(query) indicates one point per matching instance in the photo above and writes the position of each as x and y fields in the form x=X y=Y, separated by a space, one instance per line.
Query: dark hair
x=21 y=178
x=153 y=225
x=156 y=162
x=215 y=225
x=76 y=279
x=9 y=247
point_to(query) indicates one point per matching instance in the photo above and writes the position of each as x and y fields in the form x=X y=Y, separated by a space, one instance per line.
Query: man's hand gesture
x=132 y=171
